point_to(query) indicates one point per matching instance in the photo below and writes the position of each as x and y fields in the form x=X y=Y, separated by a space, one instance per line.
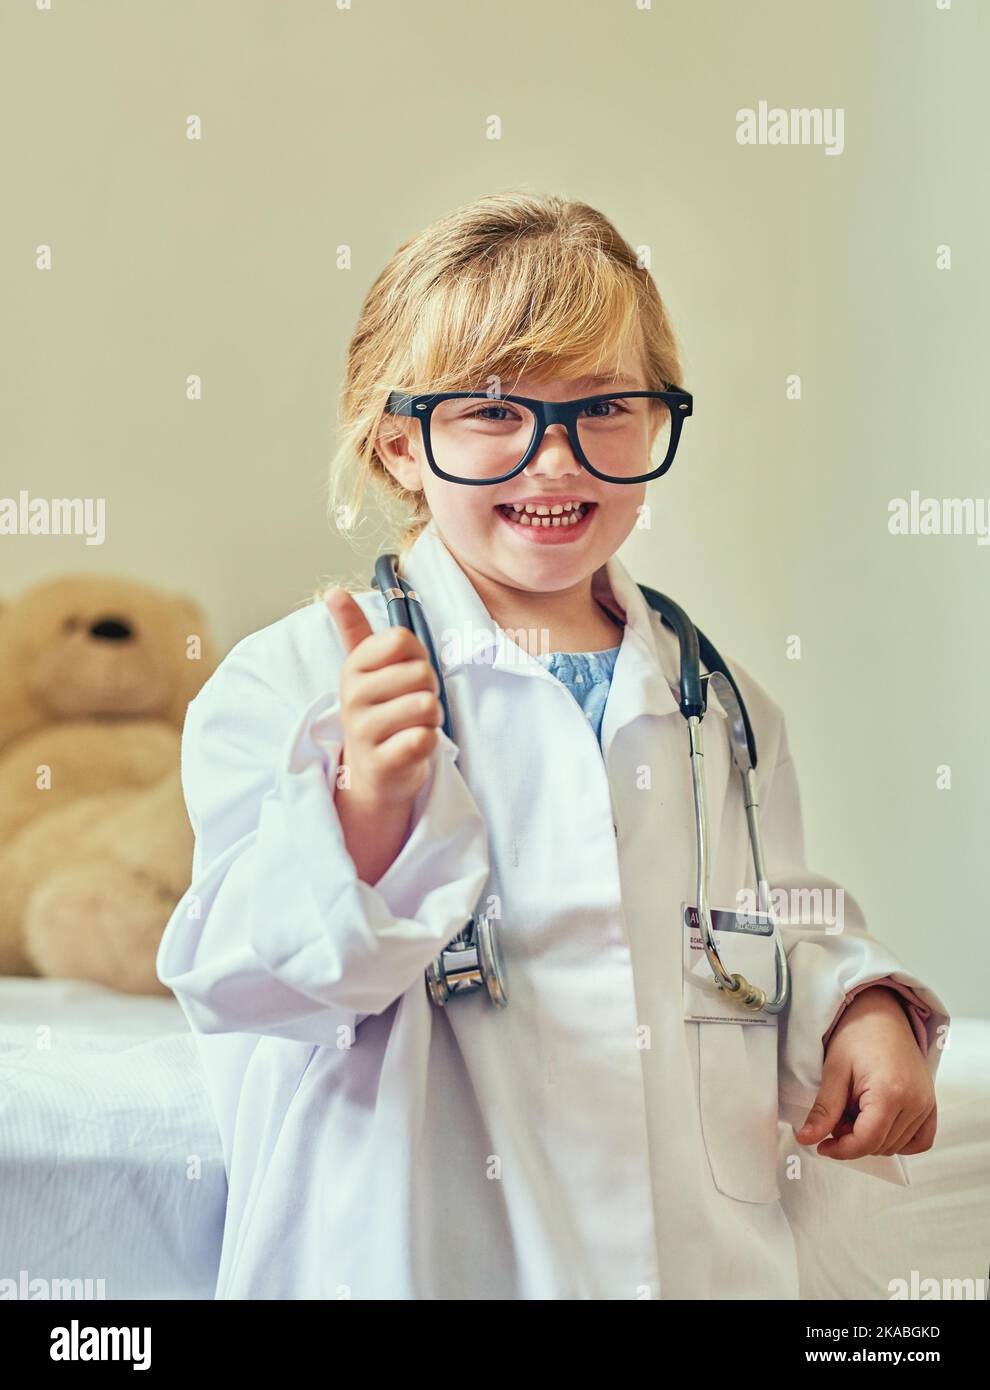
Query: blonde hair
x=512 y=284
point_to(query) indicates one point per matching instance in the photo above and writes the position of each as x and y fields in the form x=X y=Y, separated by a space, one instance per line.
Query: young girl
x=591 y=1139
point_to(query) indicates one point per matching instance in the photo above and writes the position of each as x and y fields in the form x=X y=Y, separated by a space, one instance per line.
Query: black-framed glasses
x=477 y=438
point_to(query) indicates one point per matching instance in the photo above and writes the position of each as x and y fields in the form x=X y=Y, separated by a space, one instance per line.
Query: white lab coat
x=541 y=1151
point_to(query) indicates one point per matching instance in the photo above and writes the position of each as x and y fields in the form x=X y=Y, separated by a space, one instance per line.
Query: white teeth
x=540 y=510
x=561 y=514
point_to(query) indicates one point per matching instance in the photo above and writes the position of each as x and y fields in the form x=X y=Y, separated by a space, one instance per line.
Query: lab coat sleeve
x=276 y=933
x=829 y=966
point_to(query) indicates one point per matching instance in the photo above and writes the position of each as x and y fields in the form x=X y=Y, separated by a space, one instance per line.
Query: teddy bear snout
x=112 y=630
x=105 y=667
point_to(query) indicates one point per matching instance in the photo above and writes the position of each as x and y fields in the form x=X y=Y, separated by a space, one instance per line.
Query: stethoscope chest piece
x=472 y=961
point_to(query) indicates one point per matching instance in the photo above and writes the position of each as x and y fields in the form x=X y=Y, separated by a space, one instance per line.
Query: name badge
x=745 y=943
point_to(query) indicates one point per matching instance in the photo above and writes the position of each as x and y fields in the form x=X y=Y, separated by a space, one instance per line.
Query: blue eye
x=603 y=406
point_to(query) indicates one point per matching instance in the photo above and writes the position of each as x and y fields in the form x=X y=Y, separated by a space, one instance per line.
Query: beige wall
x=324 y=127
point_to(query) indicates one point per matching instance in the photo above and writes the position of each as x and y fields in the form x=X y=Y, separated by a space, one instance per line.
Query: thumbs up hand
x=390 y=711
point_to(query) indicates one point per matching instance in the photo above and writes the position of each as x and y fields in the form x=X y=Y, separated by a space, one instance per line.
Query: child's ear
x=393 y=447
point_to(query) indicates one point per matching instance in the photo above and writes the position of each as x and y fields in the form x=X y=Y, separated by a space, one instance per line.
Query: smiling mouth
x=544 y=516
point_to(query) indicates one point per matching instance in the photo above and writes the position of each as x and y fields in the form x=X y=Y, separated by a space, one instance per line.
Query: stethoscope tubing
x=405 y=609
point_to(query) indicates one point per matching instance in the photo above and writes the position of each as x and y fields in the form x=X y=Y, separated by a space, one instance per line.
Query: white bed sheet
x=111 y=1165
x=110 y=1161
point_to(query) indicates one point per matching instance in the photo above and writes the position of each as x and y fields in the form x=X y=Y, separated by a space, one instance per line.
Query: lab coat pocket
x=737 y=1081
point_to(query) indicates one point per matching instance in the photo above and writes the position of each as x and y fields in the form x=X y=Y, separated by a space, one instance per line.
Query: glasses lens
x=478 y=437
x=624 y=436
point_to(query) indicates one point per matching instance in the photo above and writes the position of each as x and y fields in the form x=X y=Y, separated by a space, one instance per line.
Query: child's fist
x=877 y=1095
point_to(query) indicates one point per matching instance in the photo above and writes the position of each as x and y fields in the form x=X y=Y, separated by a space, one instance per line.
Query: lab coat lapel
x=646 y=681
x=570 y=1034
x=463 y=630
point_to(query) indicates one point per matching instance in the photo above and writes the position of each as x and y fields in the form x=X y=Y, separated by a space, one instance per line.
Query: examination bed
x=111 y=1167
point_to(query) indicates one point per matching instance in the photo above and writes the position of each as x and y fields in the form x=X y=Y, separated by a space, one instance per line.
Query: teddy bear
x=96 y=672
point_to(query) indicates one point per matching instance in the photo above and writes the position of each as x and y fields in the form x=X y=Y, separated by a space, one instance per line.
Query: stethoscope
x=473 y=959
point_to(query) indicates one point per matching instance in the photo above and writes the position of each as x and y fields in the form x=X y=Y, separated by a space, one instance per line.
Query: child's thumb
x=348 y=615
x=828 y=1109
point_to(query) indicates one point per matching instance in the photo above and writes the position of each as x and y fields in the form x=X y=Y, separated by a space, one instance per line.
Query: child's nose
x=555 y=457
